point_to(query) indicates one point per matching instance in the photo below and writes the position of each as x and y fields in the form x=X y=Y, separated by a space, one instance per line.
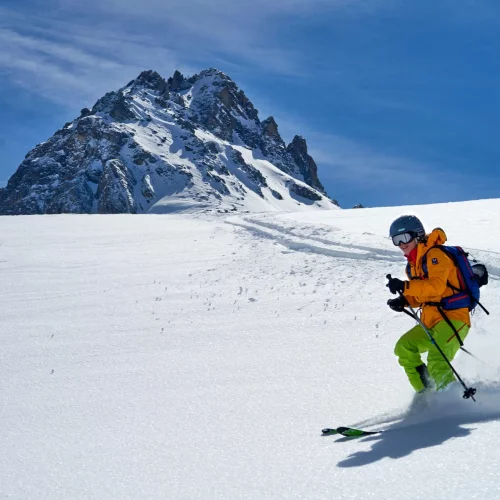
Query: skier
x=425 y=292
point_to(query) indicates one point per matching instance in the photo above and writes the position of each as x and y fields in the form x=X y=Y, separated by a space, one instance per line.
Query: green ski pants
x=415 y=342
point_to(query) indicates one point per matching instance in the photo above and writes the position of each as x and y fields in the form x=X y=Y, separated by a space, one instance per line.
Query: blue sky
x=399 y=101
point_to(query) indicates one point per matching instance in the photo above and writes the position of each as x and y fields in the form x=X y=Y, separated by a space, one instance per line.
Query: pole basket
x=469 y=393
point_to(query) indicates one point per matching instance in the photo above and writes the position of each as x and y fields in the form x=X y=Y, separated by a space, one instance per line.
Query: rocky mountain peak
x=177 y=82
x=115 y=104
x=185 y=143
x=212 y=72
x=152 y=80
x=307 y=166
x=271 y=128
x=298 y=146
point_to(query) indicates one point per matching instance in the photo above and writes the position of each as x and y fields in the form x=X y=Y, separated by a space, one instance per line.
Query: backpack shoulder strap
x=408 y=271
x=423 y=260
x=425 y=269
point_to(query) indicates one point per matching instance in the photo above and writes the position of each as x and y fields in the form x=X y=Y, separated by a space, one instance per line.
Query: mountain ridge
x=155 y=145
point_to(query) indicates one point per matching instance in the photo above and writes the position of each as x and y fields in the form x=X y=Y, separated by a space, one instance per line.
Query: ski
x=329 y=432
x=348 y=432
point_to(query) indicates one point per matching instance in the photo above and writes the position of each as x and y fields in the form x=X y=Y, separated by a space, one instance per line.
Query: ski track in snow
x=296 y=238
x=303 y=238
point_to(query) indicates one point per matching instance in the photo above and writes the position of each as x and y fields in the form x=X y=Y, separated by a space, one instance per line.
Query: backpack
x=470 y=276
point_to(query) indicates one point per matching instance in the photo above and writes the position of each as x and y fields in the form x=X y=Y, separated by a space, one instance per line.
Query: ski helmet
x=407 y=224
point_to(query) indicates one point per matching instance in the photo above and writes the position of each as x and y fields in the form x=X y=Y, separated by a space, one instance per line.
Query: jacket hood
x=436 y=237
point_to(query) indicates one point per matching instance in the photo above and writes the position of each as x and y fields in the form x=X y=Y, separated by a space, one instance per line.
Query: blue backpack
x=470 y=276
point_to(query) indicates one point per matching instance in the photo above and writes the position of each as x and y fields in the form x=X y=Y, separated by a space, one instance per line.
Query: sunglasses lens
x=402 y=238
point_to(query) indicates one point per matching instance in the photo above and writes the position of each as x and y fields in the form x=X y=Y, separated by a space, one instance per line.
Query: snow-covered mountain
x=162 y=146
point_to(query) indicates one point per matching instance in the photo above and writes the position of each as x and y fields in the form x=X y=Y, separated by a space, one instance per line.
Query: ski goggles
x=402 y=238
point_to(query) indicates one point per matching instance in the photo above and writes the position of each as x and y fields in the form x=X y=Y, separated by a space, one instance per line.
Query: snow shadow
x=443 y=419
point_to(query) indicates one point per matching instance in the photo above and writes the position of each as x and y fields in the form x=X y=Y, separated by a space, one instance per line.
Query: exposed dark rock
x=152 y=80
x=141 y=157
x=147 y=188
x=115 y=188
x=276 y=194
x=116 y=105
x=177 y=82
x=307 y=166
x=270 y=128
x=85 y=112
x=304 y=191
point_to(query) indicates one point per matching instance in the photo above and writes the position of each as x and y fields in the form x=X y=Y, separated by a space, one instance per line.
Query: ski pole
x=469 y=391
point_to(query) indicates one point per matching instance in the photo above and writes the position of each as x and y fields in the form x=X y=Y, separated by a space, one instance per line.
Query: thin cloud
x=75 y=47
x=101 y=43
x=73 y=70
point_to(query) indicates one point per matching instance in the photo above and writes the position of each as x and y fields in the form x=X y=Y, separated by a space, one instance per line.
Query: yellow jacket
x=441 y=270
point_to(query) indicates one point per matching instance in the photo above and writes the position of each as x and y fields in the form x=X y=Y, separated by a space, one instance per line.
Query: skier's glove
x=395 y=285
x=398 y=304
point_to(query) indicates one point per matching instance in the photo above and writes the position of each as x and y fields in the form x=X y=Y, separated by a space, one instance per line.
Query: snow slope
x=175 y=357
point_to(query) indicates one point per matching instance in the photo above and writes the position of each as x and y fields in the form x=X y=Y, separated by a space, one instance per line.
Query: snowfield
x=186 y=357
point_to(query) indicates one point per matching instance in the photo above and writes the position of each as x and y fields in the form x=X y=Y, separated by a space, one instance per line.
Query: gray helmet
x=407 y=224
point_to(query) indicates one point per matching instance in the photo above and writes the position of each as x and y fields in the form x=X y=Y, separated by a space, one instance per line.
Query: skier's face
x=406 y=248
